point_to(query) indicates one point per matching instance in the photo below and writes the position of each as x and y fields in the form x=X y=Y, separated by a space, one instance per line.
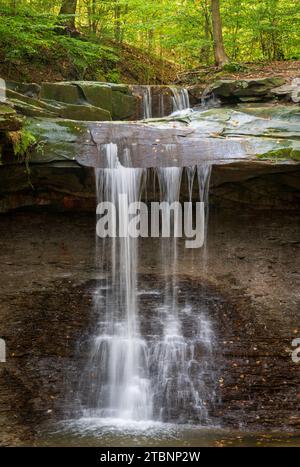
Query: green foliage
x=181 y=30
x=113 y=76
x=282 y=154
x=29 y=36
x=233 y=67
x=85 y=55
x=22 y=142
x=176 y=30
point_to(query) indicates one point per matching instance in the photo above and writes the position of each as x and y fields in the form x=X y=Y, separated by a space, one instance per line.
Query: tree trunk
x=205 y=50
x=69 y=7
x=220 y=55
x=13 y=6
x=118 y=23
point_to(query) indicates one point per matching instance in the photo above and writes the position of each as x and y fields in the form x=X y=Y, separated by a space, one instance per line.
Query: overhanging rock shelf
x=254 y=150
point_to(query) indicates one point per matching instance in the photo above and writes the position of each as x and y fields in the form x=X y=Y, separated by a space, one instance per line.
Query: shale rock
x=9 y=121
x=290 y=92
x=245 y=90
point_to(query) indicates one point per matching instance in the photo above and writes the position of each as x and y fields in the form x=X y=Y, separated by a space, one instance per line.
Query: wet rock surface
x=291 y=91
x=254 y=151
x=249 y=287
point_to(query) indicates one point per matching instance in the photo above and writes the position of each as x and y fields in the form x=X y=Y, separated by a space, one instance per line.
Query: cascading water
x=160 y=102
x=179 y=383
x=165 y=375
x=181 y=100
x=118 y=364
x=147 y=102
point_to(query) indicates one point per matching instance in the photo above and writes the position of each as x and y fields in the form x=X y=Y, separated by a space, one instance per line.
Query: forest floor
x=136 y=67
x=287 y=69
x=131 y=65
x=37 y=51
x=55 y=57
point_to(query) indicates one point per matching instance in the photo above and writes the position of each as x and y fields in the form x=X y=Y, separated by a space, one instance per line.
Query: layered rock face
x=84 y=101
x=251 y=90
x=89 y=101
x=50 y=137
x=254 y=152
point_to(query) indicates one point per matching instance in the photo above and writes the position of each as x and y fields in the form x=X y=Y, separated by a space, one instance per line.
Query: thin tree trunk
x=117 y=24
x=220 y=55
x=205 y=50
x=69 y=7
x=13 y=5
x=94 y=22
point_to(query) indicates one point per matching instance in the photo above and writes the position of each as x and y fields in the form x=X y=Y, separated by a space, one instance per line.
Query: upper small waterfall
x=147 y=102
x=160 y=101
x=181 y=100
x=119 y=385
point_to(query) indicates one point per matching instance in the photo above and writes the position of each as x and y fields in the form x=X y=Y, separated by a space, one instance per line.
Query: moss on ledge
x=281 y=154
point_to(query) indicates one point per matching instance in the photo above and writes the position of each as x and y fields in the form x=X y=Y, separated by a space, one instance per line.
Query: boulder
x=256 y=89
x=61 y=92
x=28 y=89
x=59 y=140
x=96 y=94
x=84 y=113
x=123 y=105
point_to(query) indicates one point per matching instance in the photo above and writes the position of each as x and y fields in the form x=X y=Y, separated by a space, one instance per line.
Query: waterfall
x=118 y=365
x=165 y=375
x=160 y=102
x=147 y=102
x=209 y=100
x=181 y=100
x=179 y=382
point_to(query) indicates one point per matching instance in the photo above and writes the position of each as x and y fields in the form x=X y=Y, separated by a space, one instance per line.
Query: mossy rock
x=16 y=96
x=85 y=113
x=98 y=95
x=30 y=110
x=61 y=92
x=28 y=89
x=123 y=106
x=59 y=140
x=248 y=88
x=282 y=112
x=9 y=121
x=288 y=153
